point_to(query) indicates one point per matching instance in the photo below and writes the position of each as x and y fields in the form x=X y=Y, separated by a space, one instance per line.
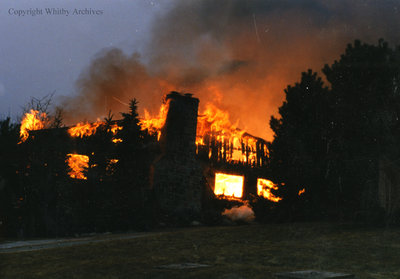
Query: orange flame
x=114 y=130
x=154 y=125
x=236 y=144
x=84 y=129
x=302 y=191
x=228 y=185
x=33 y=120
x=87 y=129
x=213 y=124
x=78 y=164
x=264 y=187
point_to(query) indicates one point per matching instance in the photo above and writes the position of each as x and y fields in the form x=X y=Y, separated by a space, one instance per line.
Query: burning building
x=198 y=155
x=205 y=152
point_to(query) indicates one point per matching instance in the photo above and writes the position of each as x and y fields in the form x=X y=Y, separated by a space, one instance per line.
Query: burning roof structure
x=196 y=152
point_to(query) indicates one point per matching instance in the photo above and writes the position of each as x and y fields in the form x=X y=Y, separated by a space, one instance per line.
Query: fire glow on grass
x=33 y=120
x=264 y=187
x=78 y=165
x=228 y=185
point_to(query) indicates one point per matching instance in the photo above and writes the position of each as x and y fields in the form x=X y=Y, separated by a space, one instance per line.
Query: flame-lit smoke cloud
x=240 y=55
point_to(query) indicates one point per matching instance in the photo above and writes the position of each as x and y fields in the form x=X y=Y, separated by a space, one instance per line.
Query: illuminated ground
x=255 y=251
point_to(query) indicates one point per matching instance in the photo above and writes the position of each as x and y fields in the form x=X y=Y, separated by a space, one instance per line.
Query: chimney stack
x=177 y=176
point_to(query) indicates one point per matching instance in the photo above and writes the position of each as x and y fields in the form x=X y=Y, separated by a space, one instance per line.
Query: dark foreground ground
x=251 y=251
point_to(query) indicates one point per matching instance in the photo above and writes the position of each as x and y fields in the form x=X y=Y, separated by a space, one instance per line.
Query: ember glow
x=84 y=129
x=154 y=124
x=110 y=168
x=78 y=165
x=113 y=161
x=33 y=120
x=264 y=187
x=228 y=185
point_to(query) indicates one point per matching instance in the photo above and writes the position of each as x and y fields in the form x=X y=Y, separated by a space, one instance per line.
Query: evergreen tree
x=131 y=189
x=298 y=152
x=366 y=107
x=10 y=192
x=330 y=141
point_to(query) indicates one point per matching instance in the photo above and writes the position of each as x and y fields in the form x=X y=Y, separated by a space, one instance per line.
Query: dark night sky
x=235 y=54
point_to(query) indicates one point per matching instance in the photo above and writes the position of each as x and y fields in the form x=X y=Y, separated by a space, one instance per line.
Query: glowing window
x=264 y=187
x=228 y=185
x=78 y=165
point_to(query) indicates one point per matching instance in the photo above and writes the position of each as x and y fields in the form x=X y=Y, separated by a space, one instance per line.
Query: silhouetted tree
x=330 y=141
x=131 y=189
x=298 y=151
x=365 y=120
x=10 y=192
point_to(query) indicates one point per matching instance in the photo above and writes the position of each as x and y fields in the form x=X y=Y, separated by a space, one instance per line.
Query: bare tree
x=54 y=117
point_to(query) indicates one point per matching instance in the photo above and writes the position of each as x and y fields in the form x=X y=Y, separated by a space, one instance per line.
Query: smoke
x=109 y=83
x=243 y=213
x=239 y=55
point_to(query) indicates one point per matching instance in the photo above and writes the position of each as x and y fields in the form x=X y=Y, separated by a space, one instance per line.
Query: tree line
x=334 y=131
x=39 y=198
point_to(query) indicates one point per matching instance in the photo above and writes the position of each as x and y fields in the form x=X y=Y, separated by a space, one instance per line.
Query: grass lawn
x=252 y=251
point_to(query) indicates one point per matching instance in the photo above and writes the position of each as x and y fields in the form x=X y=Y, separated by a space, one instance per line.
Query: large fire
x=154 y=124
x=33 y=120
x=216 y=132
x=264 y=187
x=228 y=185
x=215 y=135
x=84 y=129
x=87 y=129
x=78 y=165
